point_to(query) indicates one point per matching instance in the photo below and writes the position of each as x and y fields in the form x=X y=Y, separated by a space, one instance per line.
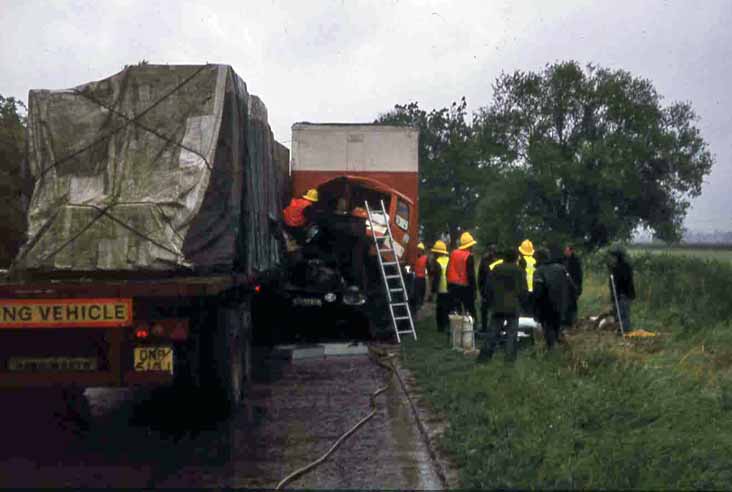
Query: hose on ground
x=377 y=358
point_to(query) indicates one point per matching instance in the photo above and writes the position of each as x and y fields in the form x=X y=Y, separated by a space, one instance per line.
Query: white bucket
x=461 y=330
x=456 y=331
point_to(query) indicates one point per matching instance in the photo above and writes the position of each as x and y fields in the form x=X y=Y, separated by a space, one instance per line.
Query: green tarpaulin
x=155 y=168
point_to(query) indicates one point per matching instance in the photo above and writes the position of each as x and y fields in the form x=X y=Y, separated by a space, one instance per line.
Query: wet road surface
x=294 y=414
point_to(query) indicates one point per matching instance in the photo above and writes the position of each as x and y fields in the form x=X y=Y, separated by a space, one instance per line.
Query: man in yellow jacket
x=528 y=263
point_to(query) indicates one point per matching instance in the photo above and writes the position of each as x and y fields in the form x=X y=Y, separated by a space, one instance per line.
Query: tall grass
x=691 y=293
x=601 y=412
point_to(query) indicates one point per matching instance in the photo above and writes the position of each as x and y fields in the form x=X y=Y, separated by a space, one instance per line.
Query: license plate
x=306 y=301
x=52 y=364
x=157 y=359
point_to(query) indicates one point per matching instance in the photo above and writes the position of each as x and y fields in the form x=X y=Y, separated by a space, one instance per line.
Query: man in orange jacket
x=420 y=277
x=297 y=214
x=461 y=276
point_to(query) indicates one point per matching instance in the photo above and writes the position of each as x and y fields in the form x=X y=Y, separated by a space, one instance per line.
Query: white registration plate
x=52 y=364
x=158 y=359
x=306 y=301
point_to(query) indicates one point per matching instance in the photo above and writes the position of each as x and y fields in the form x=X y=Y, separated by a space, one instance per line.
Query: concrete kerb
x=431 y=426
x=319 y=351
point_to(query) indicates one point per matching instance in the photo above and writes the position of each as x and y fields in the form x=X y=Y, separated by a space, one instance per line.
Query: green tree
x=587 y=155
x=451 y=174
x=14 y=187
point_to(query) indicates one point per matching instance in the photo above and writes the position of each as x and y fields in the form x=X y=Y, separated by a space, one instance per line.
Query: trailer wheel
x=267 y=319
x=77 y=411
x=231 y=361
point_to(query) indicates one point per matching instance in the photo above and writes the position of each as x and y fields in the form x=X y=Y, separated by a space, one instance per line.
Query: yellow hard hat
x=311 y=195
x=526 y=248
x=420 y=246
x=439 y=247
x=466 y=241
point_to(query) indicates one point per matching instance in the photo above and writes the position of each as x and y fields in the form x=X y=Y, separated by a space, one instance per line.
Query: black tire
x=78 y=409
x=359 y=327
x=229 y=356
x=267 y=319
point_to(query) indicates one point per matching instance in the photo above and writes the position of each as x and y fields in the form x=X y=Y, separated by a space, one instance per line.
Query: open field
x=710 y=252
x=601 y=412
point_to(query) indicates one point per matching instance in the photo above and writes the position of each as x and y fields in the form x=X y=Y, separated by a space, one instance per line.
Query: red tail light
x=172 y=328
x=141 y=332
x=257 y=289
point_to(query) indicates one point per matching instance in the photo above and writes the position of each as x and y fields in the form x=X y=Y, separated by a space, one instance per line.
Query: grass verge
x=600 y=412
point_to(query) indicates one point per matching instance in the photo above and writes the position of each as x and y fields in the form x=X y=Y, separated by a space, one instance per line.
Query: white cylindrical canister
x=468 y=339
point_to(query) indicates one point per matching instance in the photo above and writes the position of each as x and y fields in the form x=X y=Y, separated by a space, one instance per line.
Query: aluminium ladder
x=396 y=290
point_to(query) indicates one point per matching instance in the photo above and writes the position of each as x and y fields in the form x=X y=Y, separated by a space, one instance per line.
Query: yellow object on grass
x=640 y=333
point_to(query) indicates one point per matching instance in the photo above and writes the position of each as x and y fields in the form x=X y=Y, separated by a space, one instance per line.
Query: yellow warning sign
x=50 y=313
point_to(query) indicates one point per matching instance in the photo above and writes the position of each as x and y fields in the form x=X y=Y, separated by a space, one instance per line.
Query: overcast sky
x=348 y=61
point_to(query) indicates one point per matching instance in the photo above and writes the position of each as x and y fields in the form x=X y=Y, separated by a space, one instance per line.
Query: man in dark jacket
x=489 y=261
x=507 y=289
x=621 y=274
x=552 y=289
x=574 y=267
x=437 y=272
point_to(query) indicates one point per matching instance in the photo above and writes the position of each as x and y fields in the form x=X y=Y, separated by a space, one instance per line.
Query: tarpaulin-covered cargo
x=156 y=168
x=282 y=161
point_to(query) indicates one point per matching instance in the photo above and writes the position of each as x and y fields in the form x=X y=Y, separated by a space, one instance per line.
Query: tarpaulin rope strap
x=125 y=125
x=132 y=229
x=129 y=121
x=134 y=122
x=105 y=212
x=106 y=136
x=32 y=241
x=69 y=241
x=102 y=212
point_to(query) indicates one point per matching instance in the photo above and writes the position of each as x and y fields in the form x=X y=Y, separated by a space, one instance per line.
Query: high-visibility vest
x=494 y=264
x=530 y=268
x=457 y=269
x=294 y=214
x=442 y=284
x=420 y=267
